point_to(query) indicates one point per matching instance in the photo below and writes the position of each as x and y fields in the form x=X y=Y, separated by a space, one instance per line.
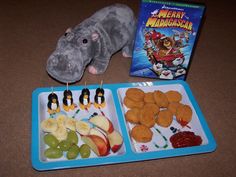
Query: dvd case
x=165 y=38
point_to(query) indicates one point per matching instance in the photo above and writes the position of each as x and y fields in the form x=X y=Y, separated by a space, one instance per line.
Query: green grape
x=72 y=137
x=51 y=140
x=64 y=145
x=73 y=152
x=84 y=151
x=53 y=153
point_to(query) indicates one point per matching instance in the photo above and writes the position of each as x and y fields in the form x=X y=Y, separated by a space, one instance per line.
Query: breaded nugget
x=133 y=115
x=133 y=104
x=184 y=114
x=135 y=94
x=149 y=98
x=160 y=99
x=173 y=106
x=173 y=96
x=141 y=133
x=152 y=107
x=147 y=118
x=164 y=118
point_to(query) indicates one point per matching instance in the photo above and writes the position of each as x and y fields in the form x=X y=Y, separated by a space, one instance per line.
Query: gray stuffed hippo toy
x=92 y=43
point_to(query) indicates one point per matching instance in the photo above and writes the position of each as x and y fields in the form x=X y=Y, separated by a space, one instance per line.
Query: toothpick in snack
x=101 y=83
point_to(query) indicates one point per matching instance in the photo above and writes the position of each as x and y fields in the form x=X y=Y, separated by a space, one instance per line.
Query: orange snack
x=173 y=106
x=149 y=98
x=164 y=118
x=184 y=114
x=141 y=133
x=160 y=99
x=152 y=107
x=133 y=104
x=173 y=96
x=133 y=115
x=147 y=118
x=135 y=94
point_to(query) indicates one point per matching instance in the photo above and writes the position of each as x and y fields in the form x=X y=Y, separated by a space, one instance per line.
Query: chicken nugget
x=133 y=104
x=152 y=107
x=173 y=106
x=184 y=114
x=160 y=99
x=149 y=98
x=141 y=133
x=164 y=118
x=173 y=96
x=133 y=115
x=147 y=118
x=135 y=94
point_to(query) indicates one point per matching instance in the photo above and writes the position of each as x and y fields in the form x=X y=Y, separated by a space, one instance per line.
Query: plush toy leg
x=127 y=51
x=125 y=55
x=92 y=70
x=98 y=66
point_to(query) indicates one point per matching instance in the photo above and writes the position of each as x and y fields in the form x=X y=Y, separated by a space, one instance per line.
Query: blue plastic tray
x=130 y=150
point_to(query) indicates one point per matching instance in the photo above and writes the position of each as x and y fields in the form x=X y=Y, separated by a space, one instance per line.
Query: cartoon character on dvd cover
x=165 y=38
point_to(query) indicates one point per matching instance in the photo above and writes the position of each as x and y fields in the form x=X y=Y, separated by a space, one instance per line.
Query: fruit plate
x=131 y=150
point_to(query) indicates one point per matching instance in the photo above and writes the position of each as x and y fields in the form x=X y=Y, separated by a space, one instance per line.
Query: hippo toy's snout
x=64 y=70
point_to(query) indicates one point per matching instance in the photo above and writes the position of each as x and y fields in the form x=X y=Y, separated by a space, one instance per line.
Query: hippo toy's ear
x=95 y=36
x=68 y=34
x=68 y=30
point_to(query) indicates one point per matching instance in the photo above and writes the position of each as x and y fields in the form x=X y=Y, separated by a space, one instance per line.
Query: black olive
x=95 y=114
x=175 y=130
x=172 y=128
x=85 y=41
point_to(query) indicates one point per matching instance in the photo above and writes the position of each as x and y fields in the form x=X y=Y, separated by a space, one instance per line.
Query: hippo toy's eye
x=85 y=41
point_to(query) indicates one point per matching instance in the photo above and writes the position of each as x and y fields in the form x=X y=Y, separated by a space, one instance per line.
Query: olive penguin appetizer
x=99 y=99
x=68 y=101
x=53 y=104
x=84 y=99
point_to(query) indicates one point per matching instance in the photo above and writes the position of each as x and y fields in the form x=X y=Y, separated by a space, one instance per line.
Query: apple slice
x=115 y=139
x=97 y=144
x=96 y=131
x=82 y=127
x=103 y=123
